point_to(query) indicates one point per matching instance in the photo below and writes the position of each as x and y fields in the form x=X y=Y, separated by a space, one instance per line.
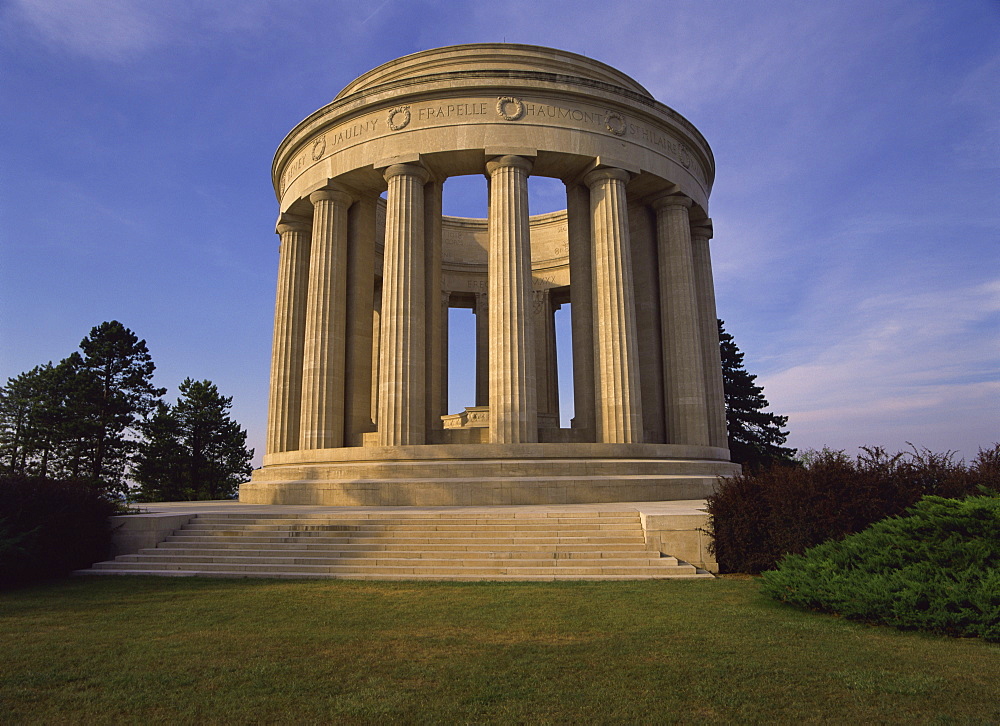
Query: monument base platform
x=488 y=474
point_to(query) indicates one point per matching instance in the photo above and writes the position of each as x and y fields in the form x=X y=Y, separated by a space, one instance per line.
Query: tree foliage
x=78 y=419
x=755 y=435
x=119 y=392
x=193 y=449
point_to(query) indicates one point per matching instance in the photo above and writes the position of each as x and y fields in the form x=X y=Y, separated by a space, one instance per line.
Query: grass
x=163 y=650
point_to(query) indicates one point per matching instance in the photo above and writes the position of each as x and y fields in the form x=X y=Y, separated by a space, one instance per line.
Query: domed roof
x=478 y=59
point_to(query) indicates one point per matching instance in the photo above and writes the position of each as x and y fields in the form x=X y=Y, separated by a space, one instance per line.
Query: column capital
x=670 y=201
x=407 y=170
x=335 y=194
x=604 y=174
x=509 y=160
x=702 y=229
x=292 y=225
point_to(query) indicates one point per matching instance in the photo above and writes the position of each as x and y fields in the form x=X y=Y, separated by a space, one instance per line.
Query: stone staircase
x=407 y=546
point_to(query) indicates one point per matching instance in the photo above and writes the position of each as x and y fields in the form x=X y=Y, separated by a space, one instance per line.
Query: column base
x=489 y=474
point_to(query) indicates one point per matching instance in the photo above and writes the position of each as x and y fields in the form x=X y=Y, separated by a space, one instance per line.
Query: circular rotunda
x=369 y=268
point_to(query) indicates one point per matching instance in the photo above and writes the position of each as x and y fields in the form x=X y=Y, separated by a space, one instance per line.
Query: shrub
x=757 y=517
x=50 y=528
x=935 y=568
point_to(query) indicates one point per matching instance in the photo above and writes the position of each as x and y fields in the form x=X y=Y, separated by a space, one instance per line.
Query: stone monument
x=359 y=374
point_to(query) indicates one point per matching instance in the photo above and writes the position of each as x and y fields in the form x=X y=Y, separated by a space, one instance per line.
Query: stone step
x=403 y=541
x=402 y=527
x=626 y=517
x=391 y=560
x=521 y=577
x=442 y=550
x=408 y=568
x=456 y=550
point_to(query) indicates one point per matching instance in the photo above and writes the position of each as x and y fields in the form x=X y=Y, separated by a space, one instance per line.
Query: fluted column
x=359 y=373
x=546 y=364
x=616 y=359
x=581 y=294
x=443 y=370
x=324 y=354
x=284 y=404
x=711 y=359
x=402 y=367
x=513 y=411
x=684 y=380
x=432 y=290
x=482 y=313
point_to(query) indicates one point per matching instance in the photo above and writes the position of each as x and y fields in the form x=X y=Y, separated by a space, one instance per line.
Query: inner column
x=513 y=407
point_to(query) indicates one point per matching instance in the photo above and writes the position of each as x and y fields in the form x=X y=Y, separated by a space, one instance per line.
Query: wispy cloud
x=109 y=30
x=900 y=365
x=118 y=30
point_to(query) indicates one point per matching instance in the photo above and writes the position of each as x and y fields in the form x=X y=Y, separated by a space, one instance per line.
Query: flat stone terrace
x=532 y=542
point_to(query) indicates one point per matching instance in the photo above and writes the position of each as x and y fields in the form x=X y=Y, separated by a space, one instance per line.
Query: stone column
x=376 y=323
x=360 y=303
x=513 y=412
x=284 y=403
x=546 y=365
x=616 y=360
x=445 y=321
x=324 y=355
x=581 y=300
x=402 y=366
x=482 y=313
x=684 y=380
x=432 y=289
x=701 y=233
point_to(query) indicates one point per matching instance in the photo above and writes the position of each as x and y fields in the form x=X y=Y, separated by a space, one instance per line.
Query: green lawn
x=163 y=650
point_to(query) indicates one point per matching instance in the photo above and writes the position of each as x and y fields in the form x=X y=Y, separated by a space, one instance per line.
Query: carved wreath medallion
x=504 y=104
x=615 y=123
x=318 y=148
x=398 y=118
x=685 y=157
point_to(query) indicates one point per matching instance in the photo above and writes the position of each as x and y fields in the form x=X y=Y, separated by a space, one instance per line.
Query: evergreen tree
x=755 y=435
x=78 y=419
x=39 y=430
x=117 y=394
x=192 y=450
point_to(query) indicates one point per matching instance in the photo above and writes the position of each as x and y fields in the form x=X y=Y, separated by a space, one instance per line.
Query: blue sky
x=856 y=206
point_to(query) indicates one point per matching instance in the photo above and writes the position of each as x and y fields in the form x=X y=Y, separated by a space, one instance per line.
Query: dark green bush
x=758 y=517
x=49 y=528
x=935 y=568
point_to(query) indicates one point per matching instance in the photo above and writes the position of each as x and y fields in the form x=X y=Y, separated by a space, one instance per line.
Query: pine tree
x=193 y=450
x=755 y=435
x=40 y=433
x=118 y=393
